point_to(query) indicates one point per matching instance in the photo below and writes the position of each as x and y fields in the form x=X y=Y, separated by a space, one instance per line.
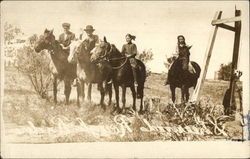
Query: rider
x=180 y=44
x=91 y=39
x=130 y=49
x=66 y=37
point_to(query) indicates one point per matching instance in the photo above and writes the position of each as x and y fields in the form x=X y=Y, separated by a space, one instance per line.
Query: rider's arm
x=176 y=54
x=97 y=41
x=134 y=49
x=73 y=37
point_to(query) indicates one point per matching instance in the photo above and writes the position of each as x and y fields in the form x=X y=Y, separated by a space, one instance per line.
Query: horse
x=61 y=69
x=122 y=75
x=182 y=77
x=89 y=72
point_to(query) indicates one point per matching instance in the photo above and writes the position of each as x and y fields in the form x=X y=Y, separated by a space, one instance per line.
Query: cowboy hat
x=66 y=25
x=89 y=28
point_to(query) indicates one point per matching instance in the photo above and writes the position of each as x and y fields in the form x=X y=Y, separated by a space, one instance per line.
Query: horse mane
x=115 y=50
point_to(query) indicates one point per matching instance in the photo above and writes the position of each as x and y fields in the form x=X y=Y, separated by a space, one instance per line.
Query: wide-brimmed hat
x=89 y=28
x=66 y=25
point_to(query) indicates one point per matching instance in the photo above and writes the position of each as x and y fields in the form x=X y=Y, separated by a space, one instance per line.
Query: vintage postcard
x=134 y=79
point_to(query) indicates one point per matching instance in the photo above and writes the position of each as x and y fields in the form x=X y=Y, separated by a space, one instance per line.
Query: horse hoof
x=141 y=112
x=134 y=108
x=104 y=108
x=119 y=111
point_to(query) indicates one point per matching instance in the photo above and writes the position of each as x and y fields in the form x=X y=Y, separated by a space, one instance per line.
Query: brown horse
x=88 y=71
x=60 y=67
x=180 y=76
x=122 y=73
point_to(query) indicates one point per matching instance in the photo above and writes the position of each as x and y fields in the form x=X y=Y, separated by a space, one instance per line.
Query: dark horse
x=89 y=72
x=182 y=77
x=60 y=67
x=122 y=73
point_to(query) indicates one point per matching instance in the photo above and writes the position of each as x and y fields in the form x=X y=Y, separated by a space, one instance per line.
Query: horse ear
x=104 y=39
x=189 y=47
x=46 y=30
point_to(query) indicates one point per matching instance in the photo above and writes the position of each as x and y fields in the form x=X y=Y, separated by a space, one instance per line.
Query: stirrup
x=109 y=82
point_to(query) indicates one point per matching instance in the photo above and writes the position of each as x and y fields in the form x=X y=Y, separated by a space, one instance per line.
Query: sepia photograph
x=108 y=79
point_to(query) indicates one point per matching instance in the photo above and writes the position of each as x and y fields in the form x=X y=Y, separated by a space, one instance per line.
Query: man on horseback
x=130 y=50
x=180 y=55
x=91 y=39
x=66 y=37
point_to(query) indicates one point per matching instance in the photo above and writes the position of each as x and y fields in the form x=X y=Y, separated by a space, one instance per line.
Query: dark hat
x=89 y=28
x=66 y=25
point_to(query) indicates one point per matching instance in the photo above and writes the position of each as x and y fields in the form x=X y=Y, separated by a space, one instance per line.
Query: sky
x=155 y=24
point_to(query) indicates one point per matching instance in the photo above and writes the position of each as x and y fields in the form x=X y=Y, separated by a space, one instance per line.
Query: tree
x=36 y=67
x=10 y=32
x=145 y=57
x=225 y=71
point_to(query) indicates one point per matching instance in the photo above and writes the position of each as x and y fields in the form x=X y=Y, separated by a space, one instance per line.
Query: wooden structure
x=218 y=22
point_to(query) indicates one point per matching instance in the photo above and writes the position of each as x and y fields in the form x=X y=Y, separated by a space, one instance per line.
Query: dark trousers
x=133 y=64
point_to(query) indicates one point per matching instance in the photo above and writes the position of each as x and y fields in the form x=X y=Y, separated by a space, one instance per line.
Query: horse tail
x=197 y=68
x=141 y=77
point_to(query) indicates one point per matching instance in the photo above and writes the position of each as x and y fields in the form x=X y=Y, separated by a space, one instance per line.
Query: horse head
x=105 y=49
x=45 y=41
x=184 y=51
x=101 y=50
x=75 y=50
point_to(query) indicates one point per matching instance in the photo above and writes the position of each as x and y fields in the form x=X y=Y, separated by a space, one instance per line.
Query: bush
x=145 y=57
x=225 y=71
x=36 y=67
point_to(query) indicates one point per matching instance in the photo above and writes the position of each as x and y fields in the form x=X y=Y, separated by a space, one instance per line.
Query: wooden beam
x=227 y=20
x=206 y=61
x=228 y=27
x=235 y=57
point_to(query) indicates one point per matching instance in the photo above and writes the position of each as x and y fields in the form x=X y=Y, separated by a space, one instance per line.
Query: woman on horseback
x=178 y=55
x=130 y=50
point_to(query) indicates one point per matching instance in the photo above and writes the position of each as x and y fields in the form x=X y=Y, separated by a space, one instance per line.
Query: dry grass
x=41 y=121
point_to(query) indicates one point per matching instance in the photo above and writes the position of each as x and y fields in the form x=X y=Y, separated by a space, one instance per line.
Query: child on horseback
x=180 y=44
x=130 y=50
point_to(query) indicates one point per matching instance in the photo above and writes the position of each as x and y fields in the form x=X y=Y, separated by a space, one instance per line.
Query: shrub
x=225 y=71
x=36 y=67
x=145 y=57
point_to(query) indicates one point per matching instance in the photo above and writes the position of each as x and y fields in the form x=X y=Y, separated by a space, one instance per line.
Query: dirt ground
x=30 y=119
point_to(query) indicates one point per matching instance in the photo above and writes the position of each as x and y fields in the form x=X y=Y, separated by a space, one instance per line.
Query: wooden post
x=237 y=27
x=207 y=57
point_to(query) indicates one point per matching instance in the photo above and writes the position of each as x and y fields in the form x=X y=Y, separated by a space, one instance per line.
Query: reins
x=112 y=59
x=118 y=67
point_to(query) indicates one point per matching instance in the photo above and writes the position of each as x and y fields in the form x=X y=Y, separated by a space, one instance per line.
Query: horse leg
x=116 y=87
x=183 y=92
x=78 y=86
x=67 y=89
x=172 y=88
x=89 y=91
x=102 y=91
x=55 y=89
x=123 y=97
x=132 y=88
x=110 y=93
x=82 y=83
x=187 y=94
x=141 y=106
